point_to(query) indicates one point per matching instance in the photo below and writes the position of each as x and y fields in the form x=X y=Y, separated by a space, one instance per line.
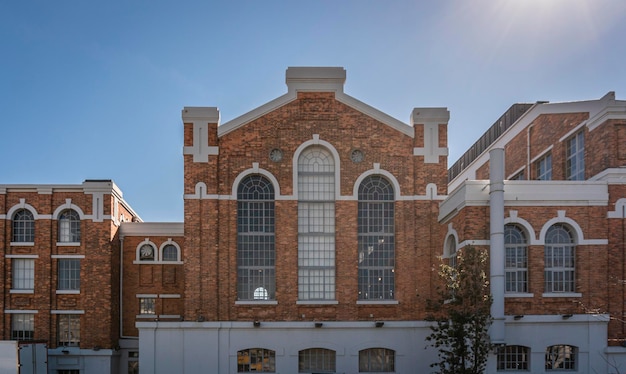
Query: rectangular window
x=575 y=160
x=68 y=330
x=543 y=168
x=69 y=274
x=22 y=326
x=147 y=305
x=513 y=358
x=23 y=274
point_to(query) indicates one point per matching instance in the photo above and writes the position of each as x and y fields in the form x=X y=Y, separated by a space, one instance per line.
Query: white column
x=496 y=250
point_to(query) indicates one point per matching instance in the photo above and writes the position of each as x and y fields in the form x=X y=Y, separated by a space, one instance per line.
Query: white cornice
x=611 y=176
x=152 y=229
x=526 y=193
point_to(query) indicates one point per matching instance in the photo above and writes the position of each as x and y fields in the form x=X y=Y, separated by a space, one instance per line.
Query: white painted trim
x=169 y=241
x=376 y=171
x=22 y=244
x=518 y=294
x=542 y=154
x=18 y=311
x=68 y=292
x=29 y=292
x=68 y=244
x=252 y=171
x=23 y=205
x=68 y=205
x=169 y=296
x=152 y=229
x=169 y=316
x=317 y=302
x=561 y=294
x=67 y=256
x=377 y=302
x=572 y=132
x=620 y=209
x=58 y=311
x=256 y=302
x=467 y=243
x=250 y=116
x=595 y=108
x=138 y=255
x=140 y=316
x=370 y=111
x=513 y=219
x=451 y=233
x=517 y=172
x=612 y=176
x=316 y=141
x=21 y=256
x=578 y=240
x=146 y=296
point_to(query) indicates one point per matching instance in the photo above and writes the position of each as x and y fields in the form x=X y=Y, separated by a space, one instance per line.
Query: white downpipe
x=496 y=250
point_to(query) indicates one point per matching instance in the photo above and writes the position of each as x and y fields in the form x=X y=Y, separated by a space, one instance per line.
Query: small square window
x=147 y=305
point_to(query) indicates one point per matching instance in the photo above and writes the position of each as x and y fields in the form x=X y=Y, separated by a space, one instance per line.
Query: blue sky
x=94 y=89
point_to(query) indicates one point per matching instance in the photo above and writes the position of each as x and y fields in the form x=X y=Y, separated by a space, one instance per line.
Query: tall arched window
x=316 y=224
x=559 y=273
x=516 y=259
x=23 y=226
x=69 y=226
x=451 y=251
x=376 y=240
x=255 y=239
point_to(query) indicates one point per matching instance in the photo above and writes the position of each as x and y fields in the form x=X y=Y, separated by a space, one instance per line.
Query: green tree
x=462 y=315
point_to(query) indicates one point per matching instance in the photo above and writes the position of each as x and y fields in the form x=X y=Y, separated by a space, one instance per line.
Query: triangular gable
x=315 y=79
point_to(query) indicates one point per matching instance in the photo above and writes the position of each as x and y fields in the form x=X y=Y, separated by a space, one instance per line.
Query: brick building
x=313 y=229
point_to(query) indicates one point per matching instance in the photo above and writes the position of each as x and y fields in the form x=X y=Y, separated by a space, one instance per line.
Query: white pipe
x=496 y=250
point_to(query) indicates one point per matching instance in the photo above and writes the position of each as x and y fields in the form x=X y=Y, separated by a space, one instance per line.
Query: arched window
x=513 y=358
x=316 y=224
x=561 y=357
x=376 y=240
x=69 y=226
x=23 y=226
x=377 y=360
x=255 y=239
x=170 y=253
x=559 y=272
x=451 y=251
x=317 y=360
x=256 y=360
x=147 y=253
x=516 y=259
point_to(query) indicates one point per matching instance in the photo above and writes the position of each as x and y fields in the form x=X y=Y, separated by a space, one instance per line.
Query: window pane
x=69 y=226
x=69 y=329
x=256 y=360
x=69 y=274
x=22 y=326
x=170 y=253
x=516 y=259
x=147 y=305
x=561 y=357
x=255 y=239
x=316 y=225
x=318 y=360
x=513 y=358
x=559 y=253
x=377 y=360
x=23 y=226
x=23 y=274
x=575 y=162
